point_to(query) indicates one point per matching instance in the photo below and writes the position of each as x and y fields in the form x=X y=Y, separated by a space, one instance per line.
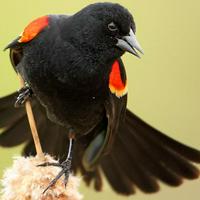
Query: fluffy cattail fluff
x=25 y=181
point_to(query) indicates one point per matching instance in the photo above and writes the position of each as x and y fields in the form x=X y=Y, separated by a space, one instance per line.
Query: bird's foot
x=65 y=166
x=24 y=94
x=65 y=170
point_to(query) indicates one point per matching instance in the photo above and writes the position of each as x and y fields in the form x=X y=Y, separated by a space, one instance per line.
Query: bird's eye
x=112 y=27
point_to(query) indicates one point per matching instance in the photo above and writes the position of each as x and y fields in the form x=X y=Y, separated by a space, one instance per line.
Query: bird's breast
x=72 y=92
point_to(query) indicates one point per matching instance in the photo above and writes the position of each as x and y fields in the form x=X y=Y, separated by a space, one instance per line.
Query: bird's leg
x=24 y=94
x=65 y=165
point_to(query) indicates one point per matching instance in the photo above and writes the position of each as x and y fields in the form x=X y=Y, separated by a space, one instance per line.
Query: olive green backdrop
x=164 y=86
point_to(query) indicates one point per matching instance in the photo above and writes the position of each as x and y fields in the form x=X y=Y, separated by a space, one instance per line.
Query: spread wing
x=140 y=155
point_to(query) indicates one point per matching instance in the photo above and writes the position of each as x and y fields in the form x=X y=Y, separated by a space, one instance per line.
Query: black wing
x=143 y=155
x=140 y=156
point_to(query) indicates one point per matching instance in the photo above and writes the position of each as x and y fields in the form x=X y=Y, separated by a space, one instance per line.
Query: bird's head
x=108 y=28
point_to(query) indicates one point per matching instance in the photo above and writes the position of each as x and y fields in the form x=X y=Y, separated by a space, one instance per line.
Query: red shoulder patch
x=34 y=28
x=116 y=85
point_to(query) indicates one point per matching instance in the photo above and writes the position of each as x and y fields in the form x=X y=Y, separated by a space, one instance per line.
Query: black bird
x=77 y=83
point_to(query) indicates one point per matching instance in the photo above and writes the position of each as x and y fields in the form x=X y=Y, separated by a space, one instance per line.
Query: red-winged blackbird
x=72 y=66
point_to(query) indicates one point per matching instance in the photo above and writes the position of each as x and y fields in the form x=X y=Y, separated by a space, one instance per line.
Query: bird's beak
x=129 y=43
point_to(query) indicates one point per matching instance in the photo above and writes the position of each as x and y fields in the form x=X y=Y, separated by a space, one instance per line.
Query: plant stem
x=32 y=123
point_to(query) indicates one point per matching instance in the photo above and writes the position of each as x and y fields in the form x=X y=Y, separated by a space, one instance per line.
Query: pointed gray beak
x=129 y=43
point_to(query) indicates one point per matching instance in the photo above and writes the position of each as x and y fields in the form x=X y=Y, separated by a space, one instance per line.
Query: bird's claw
x=24 y=94
x=46 y=164
x=66 y=166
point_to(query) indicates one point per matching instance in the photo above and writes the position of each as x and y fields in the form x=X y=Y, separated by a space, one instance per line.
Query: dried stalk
x=32 y=123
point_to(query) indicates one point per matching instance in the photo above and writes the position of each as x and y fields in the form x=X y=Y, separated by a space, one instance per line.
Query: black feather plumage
x=68 y=66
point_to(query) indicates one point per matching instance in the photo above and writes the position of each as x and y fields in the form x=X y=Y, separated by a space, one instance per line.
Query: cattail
x=25 y=181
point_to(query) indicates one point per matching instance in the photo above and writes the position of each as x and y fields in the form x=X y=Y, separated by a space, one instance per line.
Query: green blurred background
x=164 y=86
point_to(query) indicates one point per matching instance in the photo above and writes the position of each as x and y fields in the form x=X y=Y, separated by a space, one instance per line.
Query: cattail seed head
x=25 y=181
